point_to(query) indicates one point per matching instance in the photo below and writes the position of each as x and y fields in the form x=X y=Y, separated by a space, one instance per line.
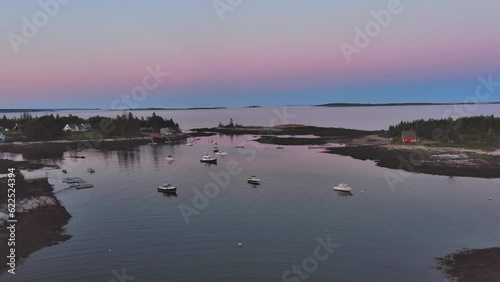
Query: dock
x=77 y=183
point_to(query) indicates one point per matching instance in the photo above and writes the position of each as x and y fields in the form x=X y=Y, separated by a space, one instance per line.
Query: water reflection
x=169 y=195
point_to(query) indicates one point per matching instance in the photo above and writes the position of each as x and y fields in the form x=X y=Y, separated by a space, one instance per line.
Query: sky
x=238 y=53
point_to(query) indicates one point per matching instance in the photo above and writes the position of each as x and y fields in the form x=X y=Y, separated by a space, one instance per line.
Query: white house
x=71 y=128
x=2 y=137
x=77 y=127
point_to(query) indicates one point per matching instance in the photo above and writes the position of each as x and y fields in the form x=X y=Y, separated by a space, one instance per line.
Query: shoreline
x=478 y=265
x=40 y=216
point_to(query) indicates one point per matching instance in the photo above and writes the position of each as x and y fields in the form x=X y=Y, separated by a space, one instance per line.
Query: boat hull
x=212 y=161
x=167 y=190
x=342 y=190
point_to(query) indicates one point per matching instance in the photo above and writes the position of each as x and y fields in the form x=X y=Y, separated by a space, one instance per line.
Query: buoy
x=240 y=244
x=489 y=199
x=361 y=191
x=110 y=250
x=267 y=182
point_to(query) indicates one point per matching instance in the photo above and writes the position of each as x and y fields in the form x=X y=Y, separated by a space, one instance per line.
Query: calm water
x=368 y=118
x=384 y=235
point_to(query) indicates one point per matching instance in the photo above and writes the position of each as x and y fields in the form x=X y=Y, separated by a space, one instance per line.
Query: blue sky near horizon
x=263 y=53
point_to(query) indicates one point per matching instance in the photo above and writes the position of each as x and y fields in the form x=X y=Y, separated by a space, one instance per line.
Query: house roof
x=409 y=134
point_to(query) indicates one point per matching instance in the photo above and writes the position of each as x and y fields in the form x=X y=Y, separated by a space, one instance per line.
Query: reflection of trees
x=128 y=159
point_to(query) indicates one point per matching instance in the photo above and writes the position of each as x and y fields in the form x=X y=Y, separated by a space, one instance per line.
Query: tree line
x=449 y=129
x=50 y=127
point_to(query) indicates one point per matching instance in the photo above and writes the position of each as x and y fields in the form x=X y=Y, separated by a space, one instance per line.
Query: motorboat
x=280 y=147
x=343 y=188
x=208 y=159
x=189 y=144
x=219 y=153
x=170 y=158
x=254 y=180
x=239 y=146
x=167 y=188
x=90 y=170
x=64 y=171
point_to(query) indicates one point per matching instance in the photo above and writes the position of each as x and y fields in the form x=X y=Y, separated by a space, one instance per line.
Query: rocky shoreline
x=472 y=265
x=40 y=216
x=434 y=161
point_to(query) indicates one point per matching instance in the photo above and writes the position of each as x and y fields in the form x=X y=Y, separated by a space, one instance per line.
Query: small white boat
x=170 y=158
x=221 y=153
x=216 y=150
x=343 y=188
x=208 y=159
x=254 y=180
x=189 y=144
x=167 y=188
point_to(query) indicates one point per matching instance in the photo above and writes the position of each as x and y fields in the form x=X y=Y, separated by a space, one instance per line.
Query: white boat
x=208 y=159
x=342 y=188
x=254 y=180
x=167 y=188
x=220 y=153
x=189 y=144
x=170 y=158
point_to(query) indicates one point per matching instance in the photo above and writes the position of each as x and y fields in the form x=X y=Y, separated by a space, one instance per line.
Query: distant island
x=42 y=110
x=168 y=109
x=342 y=105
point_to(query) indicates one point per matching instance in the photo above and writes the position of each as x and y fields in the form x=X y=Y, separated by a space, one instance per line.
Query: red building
x=409 y=137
